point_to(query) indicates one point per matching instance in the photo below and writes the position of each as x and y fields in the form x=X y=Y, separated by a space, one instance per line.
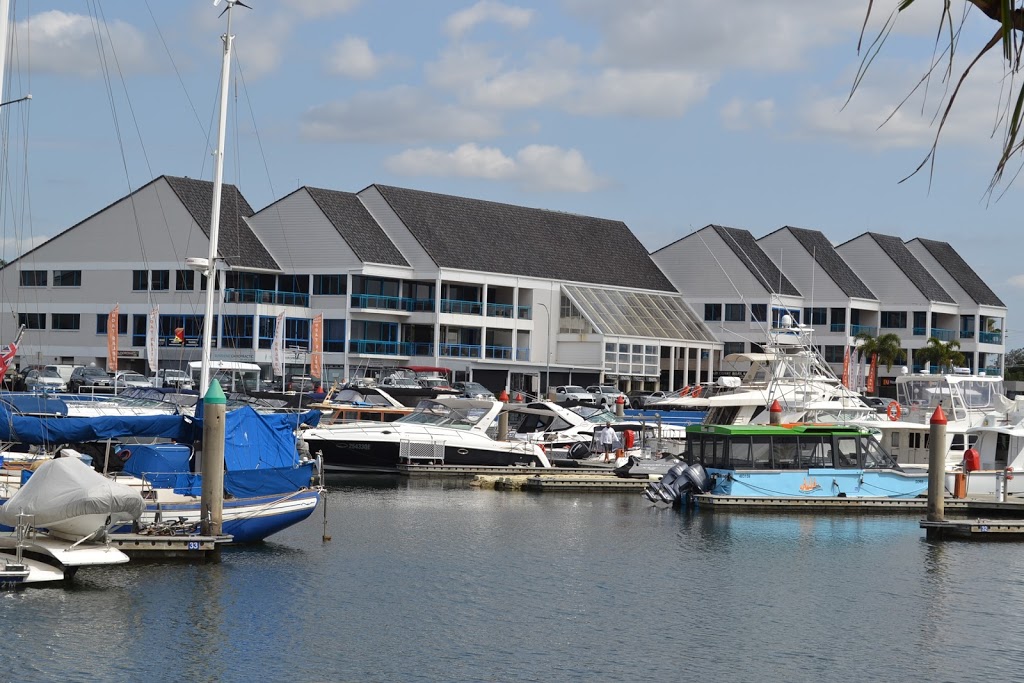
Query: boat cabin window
x=815 y=451
x=761 y=452
x=875 y=458
x=739 y=452
x=785 y=451
x=846 y=449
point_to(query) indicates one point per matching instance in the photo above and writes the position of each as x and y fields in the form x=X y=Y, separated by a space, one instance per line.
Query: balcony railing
x=380 y=301
x=525 y=313
x=460 y=350
x=500 y=310
x=838 y=327
x=376 y=346
x=421 y=304
x=461 y=307
x=920 y=331
x=990 y=337
x=967 y=334
x=523 y=353
x=502 y=352
x=417 y=349
x=858 y=329
x=943 y=335
x=265 y=296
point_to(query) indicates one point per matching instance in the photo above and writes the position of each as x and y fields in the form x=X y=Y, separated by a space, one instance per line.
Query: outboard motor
x=579 y=451
x=667 y=490
x=698 y=478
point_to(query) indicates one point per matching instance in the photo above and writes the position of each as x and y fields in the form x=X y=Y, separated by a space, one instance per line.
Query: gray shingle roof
x=355 y=225
x=953 y=263
x=236 y=241
x=818 y=246
x=473 y=234
x=896 y=250
x=757 y=262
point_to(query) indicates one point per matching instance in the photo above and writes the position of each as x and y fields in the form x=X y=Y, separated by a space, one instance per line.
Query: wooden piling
x=212 y=501
x=936 y=471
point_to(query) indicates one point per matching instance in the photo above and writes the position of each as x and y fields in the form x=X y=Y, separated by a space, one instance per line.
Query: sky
x=665 y=114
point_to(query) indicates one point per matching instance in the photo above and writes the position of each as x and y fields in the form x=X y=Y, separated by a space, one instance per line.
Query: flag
x=153 y=339
x=8 y=353
x=846 y=368
x=316 y=358
x=179 y=335
x=872 y=373
x=277 y=347
x=112 y=339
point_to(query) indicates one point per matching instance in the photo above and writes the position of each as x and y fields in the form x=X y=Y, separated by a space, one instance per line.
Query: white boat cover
x=64 y=488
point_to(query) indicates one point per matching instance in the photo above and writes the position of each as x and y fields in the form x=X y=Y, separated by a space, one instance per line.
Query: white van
x=63 y=370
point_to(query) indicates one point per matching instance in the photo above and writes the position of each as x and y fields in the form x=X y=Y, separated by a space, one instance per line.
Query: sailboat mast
x=218 y=181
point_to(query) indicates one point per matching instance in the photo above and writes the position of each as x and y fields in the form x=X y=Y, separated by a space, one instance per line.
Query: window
x=65 y=321
x=816 y=316
x=920 y=323
x=67 y=278
x=296 y=332
x=161 y=281
x=834 y=354
x=893 y=319
x=236 y=332
x=140 y=280
x=778 y=313
x=33 y=278
x=296 y=284
x=139 y=322
x=329 y=285
x=185 y=280
x=712 y=311
x=266 y=329
x=33 y=321
x=101 y=323
x=729 y=348
x=735 y=313
x=759 y=313
x=334 y=335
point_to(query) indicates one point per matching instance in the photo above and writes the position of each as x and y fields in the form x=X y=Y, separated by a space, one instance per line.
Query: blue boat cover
x=37 y=404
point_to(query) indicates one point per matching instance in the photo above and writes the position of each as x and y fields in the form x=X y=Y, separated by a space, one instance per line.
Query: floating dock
x=151 y=547
x=469 y=471
x=977 y=529
x=577 y=482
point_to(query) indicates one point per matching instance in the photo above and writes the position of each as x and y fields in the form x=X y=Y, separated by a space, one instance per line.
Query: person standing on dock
x=606 y=438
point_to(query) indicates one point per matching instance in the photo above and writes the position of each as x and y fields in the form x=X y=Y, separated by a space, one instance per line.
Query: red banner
x=316 y=356
x=846 y=368
x=872 y=373
x=112 y=339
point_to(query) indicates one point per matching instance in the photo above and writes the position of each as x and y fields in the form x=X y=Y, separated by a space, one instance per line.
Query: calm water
x=432 y=582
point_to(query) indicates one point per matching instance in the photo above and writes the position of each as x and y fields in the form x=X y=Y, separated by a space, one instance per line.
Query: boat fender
x=894 y=410
x=628 y=439
x=124 y=454
x=1009 y=473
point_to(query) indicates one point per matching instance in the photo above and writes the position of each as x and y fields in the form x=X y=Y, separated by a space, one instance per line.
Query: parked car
x=44 y=380
x=606 y=395
x=434 y=383
x=637 y=399
x=301 y=383
x=65 y=371
x=473 y=390
x=651 y=398
x=570 y=393
x=129 y=378
x=172 y=379
x=90 y=378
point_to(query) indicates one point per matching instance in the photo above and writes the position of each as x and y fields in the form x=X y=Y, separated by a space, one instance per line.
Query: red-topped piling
x=775 y=413
x=937 y=469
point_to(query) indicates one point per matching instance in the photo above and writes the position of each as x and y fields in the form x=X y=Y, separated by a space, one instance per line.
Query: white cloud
x=1016 y=281
x=644 y=93
x=401 y=115
x=462 y=66
x=352 y=57
x=534 y=167
x=460 y=23
x=738 y=114
x=65 y=43
x=313 y=9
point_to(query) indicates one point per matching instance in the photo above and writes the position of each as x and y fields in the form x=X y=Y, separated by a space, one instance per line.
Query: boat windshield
x=595 y=415
x=442 y=415
x=358 y=397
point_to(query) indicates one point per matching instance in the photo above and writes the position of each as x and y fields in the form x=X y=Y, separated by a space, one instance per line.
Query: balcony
x=967 y=334
x=417 y=348
x=460 y=350
x=499 y=352
x=943 y=335
x=920 y=331
x=265 y=296
x=421 y=305
x=838 y=327
x=382 y=302
x=860 y=329
x=525 y=313
x=376 y=347
x=523 y=353
x=461 y=307
x=990 y=337
x=500 y=310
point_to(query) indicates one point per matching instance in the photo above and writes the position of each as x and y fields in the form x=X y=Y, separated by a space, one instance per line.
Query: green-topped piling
x=214 y=409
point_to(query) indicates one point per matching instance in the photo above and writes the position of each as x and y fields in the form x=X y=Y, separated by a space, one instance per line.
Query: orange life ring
x=894 y=410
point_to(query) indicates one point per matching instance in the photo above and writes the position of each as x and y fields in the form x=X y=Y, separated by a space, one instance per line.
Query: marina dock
x=149 y=547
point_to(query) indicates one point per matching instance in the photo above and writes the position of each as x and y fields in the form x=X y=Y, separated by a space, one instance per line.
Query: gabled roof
x=951 y=261
x=826 y=256
x=236 y=241
x=472 y=234
x=896 y=250
x=357 y=227
x=757 y=262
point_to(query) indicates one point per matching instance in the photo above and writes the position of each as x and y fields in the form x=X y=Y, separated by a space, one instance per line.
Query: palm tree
x=887 y=349
x=943 y=355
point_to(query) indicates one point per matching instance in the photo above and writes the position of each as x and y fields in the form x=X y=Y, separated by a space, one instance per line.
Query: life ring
x=894 y=410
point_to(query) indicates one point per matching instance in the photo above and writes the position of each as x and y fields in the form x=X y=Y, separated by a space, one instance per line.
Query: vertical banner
x=153 y=339
x=316 y=358
x=846 y=368
x=872 y=373
x=112 y=318
x=277 y=347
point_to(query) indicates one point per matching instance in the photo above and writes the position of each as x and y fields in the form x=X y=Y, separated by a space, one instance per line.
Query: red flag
x=846 y=368
x=8 y=353
x=872 y=372
x=179 y=335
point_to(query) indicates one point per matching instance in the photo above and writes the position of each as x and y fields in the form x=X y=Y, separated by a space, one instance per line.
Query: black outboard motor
x=666 y=490
x=579 y=451
x=698 y=478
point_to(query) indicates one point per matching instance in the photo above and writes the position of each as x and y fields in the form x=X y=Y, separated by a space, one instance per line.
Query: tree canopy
x=940 y=354
x=1009 y=18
